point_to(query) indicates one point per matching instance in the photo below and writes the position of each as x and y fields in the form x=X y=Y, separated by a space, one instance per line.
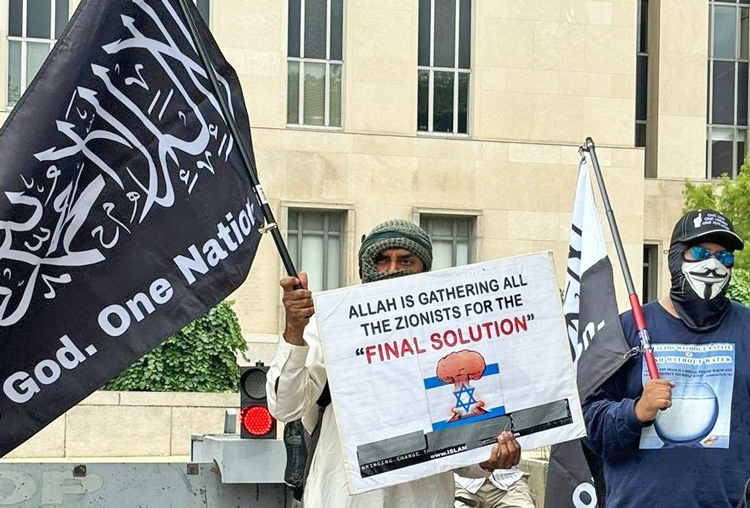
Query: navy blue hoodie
x=697 y=454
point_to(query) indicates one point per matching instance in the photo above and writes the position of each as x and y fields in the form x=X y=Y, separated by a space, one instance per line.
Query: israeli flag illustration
x=464 y=390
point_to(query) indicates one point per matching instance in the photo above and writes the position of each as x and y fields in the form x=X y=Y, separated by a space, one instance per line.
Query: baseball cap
x=698 y=226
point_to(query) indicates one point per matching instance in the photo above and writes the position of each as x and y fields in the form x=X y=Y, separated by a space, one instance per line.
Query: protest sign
x=426 y=370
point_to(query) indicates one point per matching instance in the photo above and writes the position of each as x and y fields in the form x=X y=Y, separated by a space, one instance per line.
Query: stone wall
x=130 y=424
x=148 y=425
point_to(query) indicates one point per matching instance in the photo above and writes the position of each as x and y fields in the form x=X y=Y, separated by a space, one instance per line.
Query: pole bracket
x=634 y=351
x=267 y=228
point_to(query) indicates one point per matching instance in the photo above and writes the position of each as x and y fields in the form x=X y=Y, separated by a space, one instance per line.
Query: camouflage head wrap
x=393 y=234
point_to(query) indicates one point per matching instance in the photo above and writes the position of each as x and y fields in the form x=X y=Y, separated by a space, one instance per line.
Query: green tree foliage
x=732 y=198
x=739 y=286
x=199 y=358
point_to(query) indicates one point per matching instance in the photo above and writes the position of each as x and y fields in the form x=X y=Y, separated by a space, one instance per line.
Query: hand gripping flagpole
x=635 y=304
x=270 y=221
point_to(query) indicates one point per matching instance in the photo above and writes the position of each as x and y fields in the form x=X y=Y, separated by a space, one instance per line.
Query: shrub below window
x=201 y=357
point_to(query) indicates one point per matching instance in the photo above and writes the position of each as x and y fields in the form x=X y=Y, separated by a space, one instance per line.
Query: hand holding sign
x=439 y=370
x=505 y=454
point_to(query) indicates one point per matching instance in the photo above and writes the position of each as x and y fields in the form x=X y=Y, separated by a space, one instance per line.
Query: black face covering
x=698 y=290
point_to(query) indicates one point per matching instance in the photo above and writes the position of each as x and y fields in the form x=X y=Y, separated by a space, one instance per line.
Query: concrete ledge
x=117 y=431
x=130 y=424
x=173 y=399
x=49 y=442
x=101 y=399
x=156 y=426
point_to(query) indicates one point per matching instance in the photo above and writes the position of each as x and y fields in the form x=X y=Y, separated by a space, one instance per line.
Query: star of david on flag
x=466 y=406
x=446 y=399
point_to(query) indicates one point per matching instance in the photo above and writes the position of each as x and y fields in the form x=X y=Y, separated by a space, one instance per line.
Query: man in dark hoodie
x=682 y=440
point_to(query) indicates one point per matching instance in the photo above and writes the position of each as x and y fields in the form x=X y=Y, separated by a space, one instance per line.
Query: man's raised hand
x=298 y=304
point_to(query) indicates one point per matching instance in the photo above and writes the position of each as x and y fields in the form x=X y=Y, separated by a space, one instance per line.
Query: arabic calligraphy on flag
x=125 y=208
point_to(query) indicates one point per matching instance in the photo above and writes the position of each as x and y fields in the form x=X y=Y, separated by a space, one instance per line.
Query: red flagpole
x=635 y=304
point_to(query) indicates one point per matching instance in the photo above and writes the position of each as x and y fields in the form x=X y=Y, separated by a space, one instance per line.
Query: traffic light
x=256 y=421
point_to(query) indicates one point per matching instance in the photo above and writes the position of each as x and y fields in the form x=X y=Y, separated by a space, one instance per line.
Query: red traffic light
x=256 y=420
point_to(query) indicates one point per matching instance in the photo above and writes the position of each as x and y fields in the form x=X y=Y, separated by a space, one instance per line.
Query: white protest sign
x=426 y=370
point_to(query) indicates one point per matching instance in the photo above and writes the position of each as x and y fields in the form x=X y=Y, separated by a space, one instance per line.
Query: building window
x=727 y=88
x=314 y=63
x=641 y=87
x=33 y=28
x=451 y=239
x=444 y=66
x=204 y=7
x=650 y=273
x=315 y=245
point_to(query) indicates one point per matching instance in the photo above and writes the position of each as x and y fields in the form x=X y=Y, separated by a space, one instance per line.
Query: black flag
x=125 y=209
x=596 y=340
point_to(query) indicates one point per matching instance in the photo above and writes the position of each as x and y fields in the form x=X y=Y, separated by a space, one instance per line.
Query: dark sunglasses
x=724 y=257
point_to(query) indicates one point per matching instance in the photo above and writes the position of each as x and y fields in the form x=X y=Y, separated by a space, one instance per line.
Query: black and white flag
x=597 y=343
x=125 y=209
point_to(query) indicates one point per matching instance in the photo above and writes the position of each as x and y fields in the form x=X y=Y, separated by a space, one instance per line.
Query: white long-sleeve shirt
x=301 y=375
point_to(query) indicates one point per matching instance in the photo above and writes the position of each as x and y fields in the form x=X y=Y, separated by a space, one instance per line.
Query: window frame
x=326 y=233
x=24 y=40
x=642 y=52
x=476 y=226
x=209 y=11
x=739 y=132
x=456 y=71
x=328 y=62
x=651 y=271
x=348 y=268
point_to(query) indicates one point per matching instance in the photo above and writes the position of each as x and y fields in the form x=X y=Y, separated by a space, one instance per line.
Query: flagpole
x=252 y=172
x=635 y=304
